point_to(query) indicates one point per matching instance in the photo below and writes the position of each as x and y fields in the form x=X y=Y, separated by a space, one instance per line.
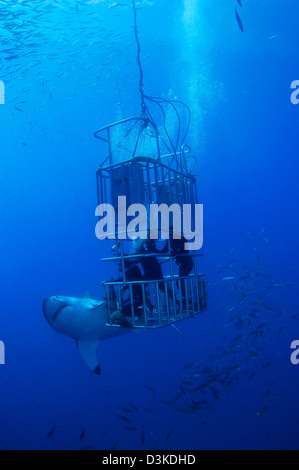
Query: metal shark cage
x=135 y=168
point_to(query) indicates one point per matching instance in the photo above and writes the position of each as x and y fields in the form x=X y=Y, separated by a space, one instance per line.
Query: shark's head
x=53 y=306
x=81 y=319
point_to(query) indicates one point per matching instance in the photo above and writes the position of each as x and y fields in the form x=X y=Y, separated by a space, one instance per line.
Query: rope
x=145 y=112
x=141 y=88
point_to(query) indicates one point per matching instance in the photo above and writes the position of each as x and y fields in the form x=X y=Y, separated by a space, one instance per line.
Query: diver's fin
x=87 y=350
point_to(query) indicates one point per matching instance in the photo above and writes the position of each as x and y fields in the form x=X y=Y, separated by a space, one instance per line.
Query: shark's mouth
x=62 y=307
x=53 y=316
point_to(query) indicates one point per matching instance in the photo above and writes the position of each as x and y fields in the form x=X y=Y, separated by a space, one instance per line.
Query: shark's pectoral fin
x=87 y=350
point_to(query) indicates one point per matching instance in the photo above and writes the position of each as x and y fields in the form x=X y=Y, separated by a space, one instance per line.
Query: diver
x=182 y=259
x=152 y=271
x=152 y=267
x=132 y=273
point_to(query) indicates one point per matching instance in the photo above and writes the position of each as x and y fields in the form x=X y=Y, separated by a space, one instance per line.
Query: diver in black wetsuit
x=132 y=273
x=184 y=262
x=152 y=267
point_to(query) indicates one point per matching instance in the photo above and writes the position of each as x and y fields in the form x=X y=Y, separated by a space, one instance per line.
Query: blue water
x=69 y=68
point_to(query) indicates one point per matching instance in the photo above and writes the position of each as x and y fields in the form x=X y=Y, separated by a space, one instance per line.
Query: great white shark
x=84 y=320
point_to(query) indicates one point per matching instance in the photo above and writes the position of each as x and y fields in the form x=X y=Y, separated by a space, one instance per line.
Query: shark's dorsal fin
x=87 y=350
x=87 y=295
